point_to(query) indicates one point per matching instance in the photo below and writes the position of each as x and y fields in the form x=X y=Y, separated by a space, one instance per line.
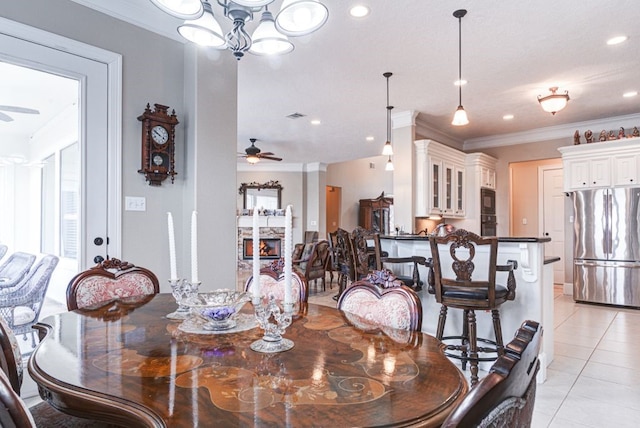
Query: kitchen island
x=534 y=289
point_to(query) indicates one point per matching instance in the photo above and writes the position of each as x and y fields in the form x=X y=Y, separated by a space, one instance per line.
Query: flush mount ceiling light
x=295 y=18
x=460 y=116
x=554 y=102
x=387 y=150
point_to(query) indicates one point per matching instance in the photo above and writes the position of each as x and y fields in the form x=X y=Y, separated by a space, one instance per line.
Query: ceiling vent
x=296 y=115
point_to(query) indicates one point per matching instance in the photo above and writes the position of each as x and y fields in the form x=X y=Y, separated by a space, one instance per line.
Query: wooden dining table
x=126 y=363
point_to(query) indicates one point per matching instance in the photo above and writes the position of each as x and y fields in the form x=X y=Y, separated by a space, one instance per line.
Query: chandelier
x=271 y=36
x=553 y=102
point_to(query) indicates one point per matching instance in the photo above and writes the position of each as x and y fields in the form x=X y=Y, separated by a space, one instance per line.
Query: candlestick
x=194 y=246
x=172 y=248
x=287 y=256
x=256 y=256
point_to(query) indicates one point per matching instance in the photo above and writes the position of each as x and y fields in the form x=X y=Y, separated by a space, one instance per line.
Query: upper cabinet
x=488 y=177
x=440 y=180
x=603 y=164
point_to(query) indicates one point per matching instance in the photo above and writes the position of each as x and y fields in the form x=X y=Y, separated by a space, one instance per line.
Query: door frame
x=113 y=62
x=541 y=171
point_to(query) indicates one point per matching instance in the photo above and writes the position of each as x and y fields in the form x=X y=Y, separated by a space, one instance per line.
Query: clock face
x=157 y=159
x=159 y=134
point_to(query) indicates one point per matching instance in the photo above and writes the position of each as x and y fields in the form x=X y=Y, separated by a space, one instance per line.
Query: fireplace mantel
x=263 y=221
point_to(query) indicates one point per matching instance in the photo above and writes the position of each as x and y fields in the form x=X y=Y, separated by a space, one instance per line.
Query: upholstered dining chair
x=15 y=268
x=399 y=265
x=21 y=305
x=345 y=260
x=108 y=280
x=272 y=284
x=14 y=413
x=313 y=262
x=459 y=287
x=381 y=299
x=506 y=396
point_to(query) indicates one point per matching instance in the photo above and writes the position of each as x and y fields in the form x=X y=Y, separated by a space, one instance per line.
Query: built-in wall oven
x=488 y=223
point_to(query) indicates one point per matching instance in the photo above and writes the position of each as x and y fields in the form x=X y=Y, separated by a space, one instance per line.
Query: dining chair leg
x=442 y=319
x=495 y=314
x=464 y=339
x=473 y=347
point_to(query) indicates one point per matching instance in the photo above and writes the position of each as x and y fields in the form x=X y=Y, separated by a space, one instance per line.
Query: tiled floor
x=592 y=381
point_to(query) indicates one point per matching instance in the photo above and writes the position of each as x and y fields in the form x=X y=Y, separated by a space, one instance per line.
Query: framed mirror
x=266 y=196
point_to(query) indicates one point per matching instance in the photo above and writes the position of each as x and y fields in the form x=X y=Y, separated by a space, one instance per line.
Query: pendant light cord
x=389 y=108
x=460 y=60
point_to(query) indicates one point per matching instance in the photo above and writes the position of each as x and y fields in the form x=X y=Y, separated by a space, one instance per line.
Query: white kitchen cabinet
x=487 y=177
x=589 y=173
x=625 y=170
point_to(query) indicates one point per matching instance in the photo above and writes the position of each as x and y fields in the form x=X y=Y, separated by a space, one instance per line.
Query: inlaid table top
x=126 y=363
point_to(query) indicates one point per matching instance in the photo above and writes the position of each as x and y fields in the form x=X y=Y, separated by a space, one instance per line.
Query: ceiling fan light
x=389 y=165
x=554 y=102
x=267 y=40
x=460 y=117
x=204 y=31
x=183 y=9
x=301 y=17
x=253 y=159
x=387 y=149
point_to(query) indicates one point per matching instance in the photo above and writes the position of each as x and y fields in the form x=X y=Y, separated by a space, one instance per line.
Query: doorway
x=334 y=200
x=552 y=224
x=68 y=169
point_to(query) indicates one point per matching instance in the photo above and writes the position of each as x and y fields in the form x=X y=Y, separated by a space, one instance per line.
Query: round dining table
x=126 y=363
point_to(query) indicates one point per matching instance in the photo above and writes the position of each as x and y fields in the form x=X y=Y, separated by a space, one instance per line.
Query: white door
x=553 y=218
x=95 y=191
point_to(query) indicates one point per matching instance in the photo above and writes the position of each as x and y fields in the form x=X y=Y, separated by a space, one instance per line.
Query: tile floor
x=592 y=381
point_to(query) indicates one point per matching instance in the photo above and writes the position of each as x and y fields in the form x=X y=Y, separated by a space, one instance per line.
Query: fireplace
x=270 y=248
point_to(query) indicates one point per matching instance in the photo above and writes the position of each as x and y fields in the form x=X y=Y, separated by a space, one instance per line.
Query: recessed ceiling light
x=359 y=11
x=507 y=117
x=630 y=94
x=460 y=82
x=617 y=40
x=315 y=122
x=370 y=138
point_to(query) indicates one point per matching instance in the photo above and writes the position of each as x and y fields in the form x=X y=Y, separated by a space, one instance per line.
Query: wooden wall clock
x=158 y=144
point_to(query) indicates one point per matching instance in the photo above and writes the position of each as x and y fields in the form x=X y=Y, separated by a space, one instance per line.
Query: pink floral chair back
x=380 y=299
x=112 y=279
x=272 y=283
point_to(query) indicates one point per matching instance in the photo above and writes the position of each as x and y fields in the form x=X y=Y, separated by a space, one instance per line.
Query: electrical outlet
x=132 y=203
x=313 y=223
x=524 y=220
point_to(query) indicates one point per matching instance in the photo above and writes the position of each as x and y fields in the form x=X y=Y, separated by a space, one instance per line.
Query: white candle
x=288 y=262
x=172 y=249
x=194 y=246
x=256 y=256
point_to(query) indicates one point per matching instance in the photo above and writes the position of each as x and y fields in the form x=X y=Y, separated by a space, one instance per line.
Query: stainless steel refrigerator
x=607 y=246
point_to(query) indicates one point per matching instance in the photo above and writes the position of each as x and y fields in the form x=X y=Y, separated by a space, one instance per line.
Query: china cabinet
x=375 y=214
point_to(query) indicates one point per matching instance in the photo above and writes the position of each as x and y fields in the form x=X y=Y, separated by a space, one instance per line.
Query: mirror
x=264 y=196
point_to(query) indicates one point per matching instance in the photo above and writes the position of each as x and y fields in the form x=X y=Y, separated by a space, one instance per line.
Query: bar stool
x=463 y=292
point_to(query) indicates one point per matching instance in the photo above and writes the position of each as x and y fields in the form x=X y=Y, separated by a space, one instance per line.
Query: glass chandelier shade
x=183 y=9
x=460 y=116
x=204 y=31
x=266 y=40
x=301 y=17
x=554 y=102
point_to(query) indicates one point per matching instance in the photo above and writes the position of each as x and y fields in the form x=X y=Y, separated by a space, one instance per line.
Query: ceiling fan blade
x=266 y=154
x=5 y=117
x=270 y=158
x=16 y=109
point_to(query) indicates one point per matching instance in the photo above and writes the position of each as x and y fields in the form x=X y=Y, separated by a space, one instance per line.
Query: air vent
x=372 y=165
x=296 y=115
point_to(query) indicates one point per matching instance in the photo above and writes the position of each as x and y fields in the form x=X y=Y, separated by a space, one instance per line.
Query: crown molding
x=402 y=119
x=425 y=131
x=315 y=167
x=263 y=166
x=556 y=132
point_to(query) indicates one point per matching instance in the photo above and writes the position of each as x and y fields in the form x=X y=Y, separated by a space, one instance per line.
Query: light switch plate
x=132 y=203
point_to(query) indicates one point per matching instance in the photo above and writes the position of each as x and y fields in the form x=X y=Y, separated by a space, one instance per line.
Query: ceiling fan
x=14 y=109
x=253 y=154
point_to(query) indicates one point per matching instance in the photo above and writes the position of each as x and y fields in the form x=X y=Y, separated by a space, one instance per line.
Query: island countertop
x=410 y=237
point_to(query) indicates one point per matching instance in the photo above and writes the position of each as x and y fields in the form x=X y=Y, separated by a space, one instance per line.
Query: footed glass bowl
x=218 y=308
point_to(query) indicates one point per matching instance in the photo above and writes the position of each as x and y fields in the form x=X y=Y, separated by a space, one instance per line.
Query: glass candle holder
x=266 y=310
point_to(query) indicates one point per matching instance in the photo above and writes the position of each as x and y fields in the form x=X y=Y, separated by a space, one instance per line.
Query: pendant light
x=387 y=150
x=460 y=116
x=204 y=31
x=267 y=40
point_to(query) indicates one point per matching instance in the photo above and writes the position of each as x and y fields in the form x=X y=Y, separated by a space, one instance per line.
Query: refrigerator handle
x=608 y=233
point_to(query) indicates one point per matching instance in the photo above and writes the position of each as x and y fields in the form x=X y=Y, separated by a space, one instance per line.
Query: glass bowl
x=217 y=308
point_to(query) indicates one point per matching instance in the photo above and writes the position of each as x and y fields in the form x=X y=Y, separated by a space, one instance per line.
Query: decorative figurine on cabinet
x=621 y=133
x=576 y=138
x=612 y=135
x=635 y=132
x=603 y=136
x=588 y=136
x=158 y=144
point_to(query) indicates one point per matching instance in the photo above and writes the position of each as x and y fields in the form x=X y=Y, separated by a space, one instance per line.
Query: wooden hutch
x=375 y=214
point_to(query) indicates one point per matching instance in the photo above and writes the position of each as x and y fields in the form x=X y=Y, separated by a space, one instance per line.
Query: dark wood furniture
x=13 y=410
x=345 y=260
x=108 y=280
x=506 y=396
x=158 y=144
x=374 y=214
x=313 y=262
x=141 y=370
x=469 y=294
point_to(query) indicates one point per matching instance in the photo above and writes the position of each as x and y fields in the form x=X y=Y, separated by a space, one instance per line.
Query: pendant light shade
x=301 y=17
x=554 y=102
x=389 y=165
x=267 y=40
x=460 y=116
x=183 y=9
x=204 y=31
x=387 y=150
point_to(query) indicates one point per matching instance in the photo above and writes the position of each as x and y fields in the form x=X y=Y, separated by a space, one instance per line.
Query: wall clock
x=158 y=144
